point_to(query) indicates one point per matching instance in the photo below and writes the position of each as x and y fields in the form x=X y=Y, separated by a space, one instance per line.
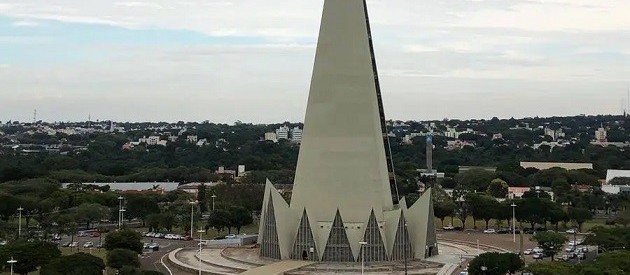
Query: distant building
x=153 y=140
x=611 y=174
x=133 y=186
x=271 y=136
x=549 y=165
x=554 y=134
x=497 y=136
x=282 y=132
x=296 y=135
x=601 y=135
x=485 y=168
x=192 y=139
x=458 y=144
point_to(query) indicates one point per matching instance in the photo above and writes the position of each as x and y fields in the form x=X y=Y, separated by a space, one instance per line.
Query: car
x=231 y=236
x=490 y=231
x=581 y=256
x=571 y=231
x=66 y=244
x=463 y=273
x=527 y=252
x=88 y=244
x=159 y=235
x=169 y=236
x=3 y=243
x=154 y=246
x=150 y=234
x=146 y=246
x=95 y=234
x=538 y=256
x=56 y=237
x=569 y=248
x=537 y=250
x=73 y=244
x=584 y=249
x=187 y=238
x=448 y=227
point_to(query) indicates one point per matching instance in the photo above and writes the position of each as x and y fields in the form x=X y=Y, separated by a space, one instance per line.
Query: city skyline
x=225 y=61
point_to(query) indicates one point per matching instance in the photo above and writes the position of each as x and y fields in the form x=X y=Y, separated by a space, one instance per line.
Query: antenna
x=35 y=116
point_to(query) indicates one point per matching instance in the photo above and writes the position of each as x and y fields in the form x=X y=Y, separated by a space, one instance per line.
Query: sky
x=251 y=60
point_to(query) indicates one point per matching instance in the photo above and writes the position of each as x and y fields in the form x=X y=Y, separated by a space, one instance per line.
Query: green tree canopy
x=118 y=258
x=75 y=264
x=495 y=264
x=550 y=242
x=498 y=188
x=28 y=254
x=124 y=239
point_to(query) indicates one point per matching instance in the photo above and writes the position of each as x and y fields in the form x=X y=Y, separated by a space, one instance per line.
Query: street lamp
x=192 y=215
x=122 y=217
x=213 y=197
x=363 y=243
x=11 y=262
x=20 y=209
x=120 y=201
x=514 y=221
x=200 y=231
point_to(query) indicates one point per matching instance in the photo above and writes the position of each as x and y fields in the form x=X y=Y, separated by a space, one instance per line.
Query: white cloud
x=527 y=56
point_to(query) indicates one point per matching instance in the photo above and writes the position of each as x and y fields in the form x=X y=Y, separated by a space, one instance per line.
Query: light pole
x=213 y=197
x=514 y=221
x=122 y=217
x=405 y=249
x=192 y=216
x=120 y=201
x=200 y=231
x=11 y=262
x=363 y=243
x=20 y=209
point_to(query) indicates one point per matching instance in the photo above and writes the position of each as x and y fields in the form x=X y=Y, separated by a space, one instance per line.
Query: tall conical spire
x=343 y=162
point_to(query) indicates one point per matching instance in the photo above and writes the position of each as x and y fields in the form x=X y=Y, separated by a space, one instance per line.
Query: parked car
x=581 y=256
x=88 y=244
x=448 y=227
x=538 y=256
x=154 y=246
x=527 y=252
x=537 y=250
x=584 y=249
x=66 y=244
x=56 y=237
x=490 y=231
x=159 y=235
x=73 y=244
x=95 y=234
x=187 y=238
x=146 y=246
x=231 y=236
x=571 y=231
x=169 y=236
x=569 y=248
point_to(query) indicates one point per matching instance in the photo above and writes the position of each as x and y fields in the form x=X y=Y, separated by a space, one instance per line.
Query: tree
x=75 y=264
x=498 y=188
x=609 y=239
x=29 y=255
x=140 y=206
x=579 y=215
x=118 y=258
x=124 y=239
x=219 y=219
x=202 y=197
x=239 y=217
x=90 y=212
x=483 y=207
x=475 y=179
x=495 y=263
x=623 y=217
x=620 y=181
x=550 y=242
x=443 y=209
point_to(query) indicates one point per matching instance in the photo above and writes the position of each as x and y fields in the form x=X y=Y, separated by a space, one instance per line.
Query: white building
x=192 y=139
x=152 y=140
x=611 y=174
x=282 y=132
x=271 y=136
x=296 y=135
x=600 y=135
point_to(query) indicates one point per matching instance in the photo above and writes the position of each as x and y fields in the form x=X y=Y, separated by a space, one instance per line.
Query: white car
x=569 y=248
x=231 y=236
x=88 y=244
x=448 y=227
x=527 y=252
x=169 y=236
x=537 y=250
x=490 y=231
x=571 y=231
x=538 y=256
x=74 y=244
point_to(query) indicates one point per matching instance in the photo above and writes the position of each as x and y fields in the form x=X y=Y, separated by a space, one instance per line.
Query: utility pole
x=20 y=221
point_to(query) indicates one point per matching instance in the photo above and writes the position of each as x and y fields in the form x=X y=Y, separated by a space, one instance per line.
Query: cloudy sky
x=250 y=60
